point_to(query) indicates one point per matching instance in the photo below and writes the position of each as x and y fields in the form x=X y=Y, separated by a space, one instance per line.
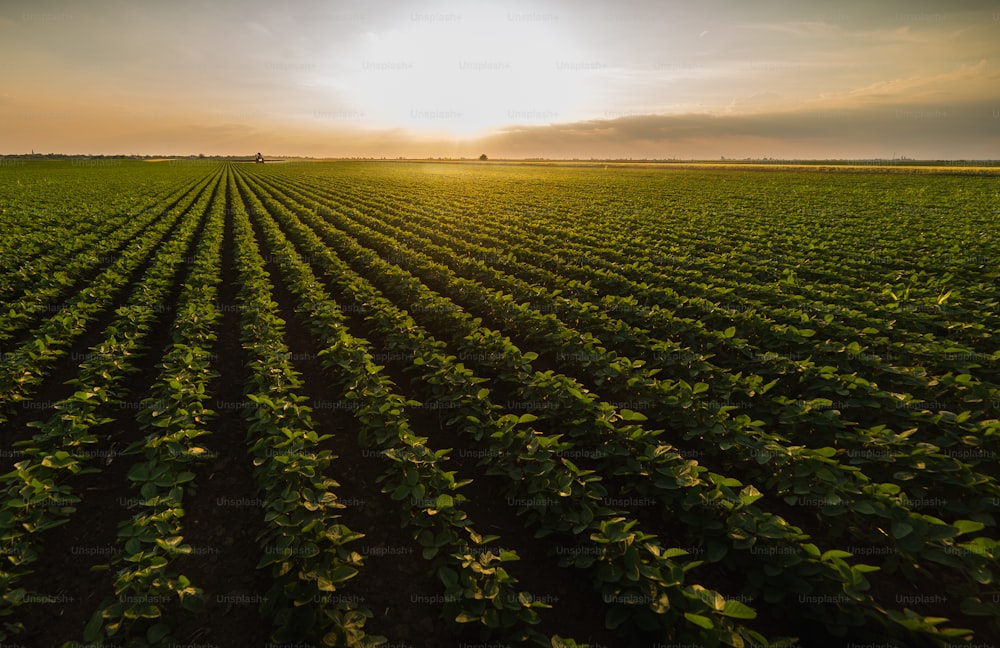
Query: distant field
x=436 y=404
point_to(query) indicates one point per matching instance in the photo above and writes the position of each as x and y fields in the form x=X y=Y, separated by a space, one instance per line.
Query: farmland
x=428 y=404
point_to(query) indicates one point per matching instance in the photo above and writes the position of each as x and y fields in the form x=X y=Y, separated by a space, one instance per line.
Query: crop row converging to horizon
x=557 y=405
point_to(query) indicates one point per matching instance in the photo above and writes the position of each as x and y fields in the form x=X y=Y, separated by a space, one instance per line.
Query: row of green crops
x=744 y=407
x=39 y=494
x=478 y=588
x=173 y=417
x=306 y=549
x=935 y=494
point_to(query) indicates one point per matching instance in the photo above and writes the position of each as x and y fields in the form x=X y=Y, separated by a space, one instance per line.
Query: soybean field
x=362 y=403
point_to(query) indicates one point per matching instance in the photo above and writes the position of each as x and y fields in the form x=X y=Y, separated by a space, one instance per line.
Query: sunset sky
x=544 y=78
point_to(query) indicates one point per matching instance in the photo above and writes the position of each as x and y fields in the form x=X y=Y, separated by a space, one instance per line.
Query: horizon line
x=275 y=157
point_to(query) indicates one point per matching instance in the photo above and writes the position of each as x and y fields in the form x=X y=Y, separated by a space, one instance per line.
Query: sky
x=698 y=79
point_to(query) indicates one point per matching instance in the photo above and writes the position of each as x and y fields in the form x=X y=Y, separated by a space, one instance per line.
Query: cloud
x=956 y=129
x=798 y=29
x=980 y=79
x=774 y=78
x=959 y=130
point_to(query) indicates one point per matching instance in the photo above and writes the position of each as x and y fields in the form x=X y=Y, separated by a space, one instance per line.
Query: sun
x=466 y=77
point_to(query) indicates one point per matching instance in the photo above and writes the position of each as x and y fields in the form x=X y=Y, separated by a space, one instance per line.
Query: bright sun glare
x=466 y=76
